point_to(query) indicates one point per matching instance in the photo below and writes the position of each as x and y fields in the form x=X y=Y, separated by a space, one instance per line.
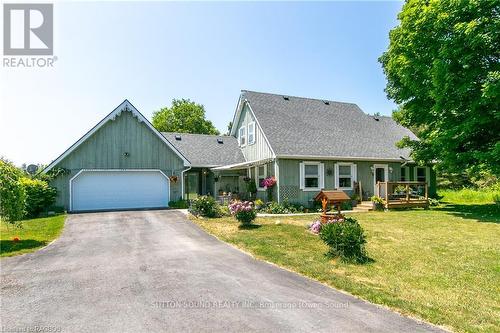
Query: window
x=345 y=175
x=421 y=177
x=243 y=136
x=260 y=175
x=251 y=133
x=311 y=176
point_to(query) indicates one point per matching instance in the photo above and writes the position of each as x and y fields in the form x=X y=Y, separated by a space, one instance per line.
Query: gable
x=260 y=149
x=123 y=139
x=297 y=127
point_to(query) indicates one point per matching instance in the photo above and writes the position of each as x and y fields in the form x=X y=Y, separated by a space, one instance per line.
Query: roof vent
x=326 y=102
x=286 y=98
x=219 y=140
x=178 y=138
x=376 y=118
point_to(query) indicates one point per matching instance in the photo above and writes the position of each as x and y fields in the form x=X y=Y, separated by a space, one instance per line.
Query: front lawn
x=33 y=234
x=441 y=265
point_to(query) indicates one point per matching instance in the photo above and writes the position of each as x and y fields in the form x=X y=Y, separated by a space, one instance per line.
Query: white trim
x=253 y=133
x=302 y=176
x=244 y=128
x=277 y=176
x=354 y=176
x=386 y=174
x=257 y=176
x=111 y=170
x=242 y=165
x=125 y=106
x=339 y=158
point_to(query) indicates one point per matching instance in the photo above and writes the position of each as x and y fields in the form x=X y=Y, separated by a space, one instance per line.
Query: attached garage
x=118 y=189
x=121 y=163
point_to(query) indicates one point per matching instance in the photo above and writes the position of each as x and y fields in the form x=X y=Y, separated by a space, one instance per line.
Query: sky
x=152 y=52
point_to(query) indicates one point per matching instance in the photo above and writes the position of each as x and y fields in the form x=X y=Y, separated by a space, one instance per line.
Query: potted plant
x=268 y=185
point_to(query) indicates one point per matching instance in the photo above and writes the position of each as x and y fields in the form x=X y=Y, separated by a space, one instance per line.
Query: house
x=306 y=144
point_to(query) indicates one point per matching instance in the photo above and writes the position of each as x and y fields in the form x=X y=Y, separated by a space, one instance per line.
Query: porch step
x=364 y=206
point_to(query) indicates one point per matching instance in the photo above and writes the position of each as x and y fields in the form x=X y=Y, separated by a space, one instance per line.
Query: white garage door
x=102 y=190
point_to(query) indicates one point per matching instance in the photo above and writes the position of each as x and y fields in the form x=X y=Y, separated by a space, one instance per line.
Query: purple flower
x=315 y=227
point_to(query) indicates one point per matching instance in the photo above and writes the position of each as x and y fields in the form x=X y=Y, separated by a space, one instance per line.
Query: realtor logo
x=28 y=29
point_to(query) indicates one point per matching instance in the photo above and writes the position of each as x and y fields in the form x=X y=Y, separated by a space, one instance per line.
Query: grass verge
x=441 y=265
x=33 y=234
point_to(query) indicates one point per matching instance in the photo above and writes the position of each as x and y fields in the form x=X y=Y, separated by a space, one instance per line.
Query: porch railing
x=403 y=194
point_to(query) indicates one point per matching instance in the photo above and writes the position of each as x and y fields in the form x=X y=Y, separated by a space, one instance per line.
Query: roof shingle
x=204 y=150
x=311 y=127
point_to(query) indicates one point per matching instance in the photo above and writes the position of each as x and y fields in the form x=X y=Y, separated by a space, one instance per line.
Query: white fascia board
x=124 y=106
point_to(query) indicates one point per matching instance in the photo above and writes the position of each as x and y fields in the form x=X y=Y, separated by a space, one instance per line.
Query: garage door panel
x=101 y=190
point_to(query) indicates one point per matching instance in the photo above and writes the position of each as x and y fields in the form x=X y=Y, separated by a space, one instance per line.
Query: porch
x=403 y=194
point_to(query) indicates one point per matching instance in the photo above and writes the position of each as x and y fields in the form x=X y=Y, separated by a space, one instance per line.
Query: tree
x=443 y=70
x=12 y=193
x=184 y=116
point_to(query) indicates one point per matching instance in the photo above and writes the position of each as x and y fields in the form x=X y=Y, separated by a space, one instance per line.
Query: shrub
x=378 y=202
x=205 y=206
x=243 y=211
x=12 y=193
x=284 y=208
x=39 y=196
x=251 y=188
x=258 y=203
x=179 y=204
x=346 y=240
x=346 y=205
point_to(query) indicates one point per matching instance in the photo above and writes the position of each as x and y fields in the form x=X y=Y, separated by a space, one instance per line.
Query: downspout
x=182 y=181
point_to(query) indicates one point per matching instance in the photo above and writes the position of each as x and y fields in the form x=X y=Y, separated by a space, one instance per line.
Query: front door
x=380 y=174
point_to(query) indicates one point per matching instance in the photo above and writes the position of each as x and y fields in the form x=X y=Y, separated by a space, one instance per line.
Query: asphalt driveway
x=156 y=271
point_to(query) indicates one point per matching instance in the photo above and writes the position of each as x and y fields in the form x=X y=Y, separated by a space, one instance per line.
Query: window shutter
x=301 y=175
x=336 y=176
x=321 y=170
x=354 y=171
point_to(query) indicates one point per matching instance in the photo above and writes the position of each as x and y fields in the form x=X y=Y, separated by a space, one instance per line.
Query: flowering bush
x=205 y=206
x=243 y=211
x=315 y=227
x=346 y=240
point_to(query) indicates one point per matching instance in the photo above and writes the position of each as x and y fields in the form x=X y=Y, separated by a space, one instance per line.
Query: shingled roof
x=297 y=126
x=205 y=150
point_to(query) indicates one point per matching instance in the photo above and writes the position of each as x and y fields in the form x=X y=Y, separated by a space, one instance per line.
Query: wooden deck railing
x=403 y=194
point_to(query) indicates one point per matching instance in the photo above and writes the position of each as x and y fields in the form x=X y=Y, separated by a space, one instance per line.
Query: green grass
x=33 y=234
x=441 y=265
x=470 y=196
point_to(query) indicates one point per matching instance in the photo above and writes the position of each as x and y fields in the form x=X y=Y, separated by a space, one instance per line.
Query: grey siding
x=289 y=181
x=105 y=150
x=260 y=149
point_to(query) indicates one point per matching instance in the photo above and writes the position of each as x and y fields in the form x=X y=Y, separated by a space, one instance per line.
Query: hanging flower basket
x=173 y=179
